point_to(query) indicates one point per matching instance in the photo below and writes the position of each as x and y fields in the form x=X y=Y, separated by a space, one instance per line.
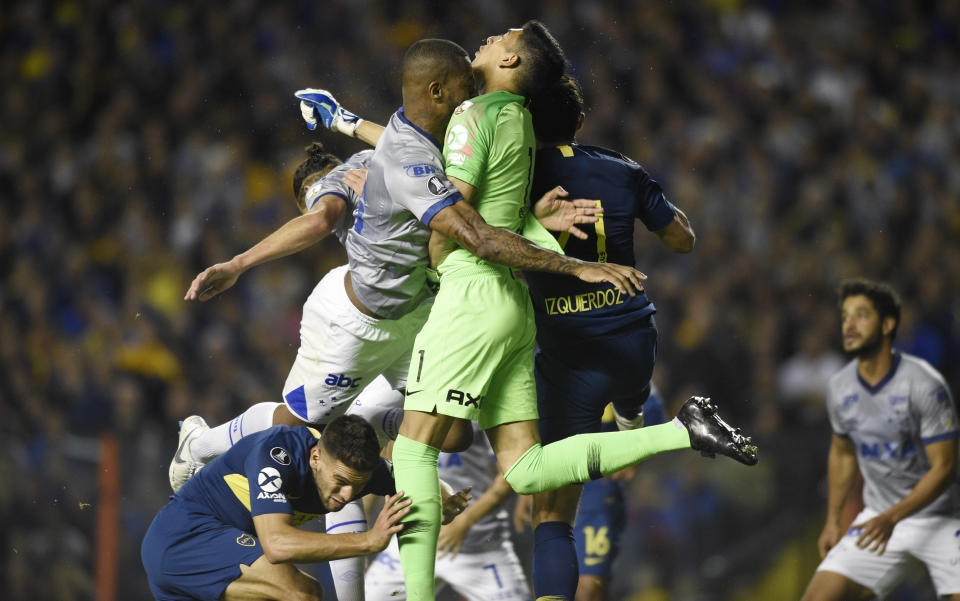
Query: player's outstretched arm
x=678 y=235
x=284 y=543
x=841 y=474
x=558 y=214
x=463 y=224
x=318 y=106
x=452 y=534
x=292 y=237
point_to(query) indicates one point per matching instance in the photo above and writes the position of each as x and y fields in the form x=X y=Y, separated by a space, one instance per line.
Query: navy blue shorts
x=190 y=555
x=575 y=382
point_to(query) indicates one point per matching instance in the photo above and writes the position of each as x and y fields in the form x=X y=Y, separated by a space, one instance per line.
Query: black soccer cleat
x=711 y=435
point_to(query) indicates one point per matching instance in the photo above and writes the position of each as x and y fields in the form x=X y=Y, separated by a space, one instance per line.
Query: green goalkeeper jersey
x=490 y=145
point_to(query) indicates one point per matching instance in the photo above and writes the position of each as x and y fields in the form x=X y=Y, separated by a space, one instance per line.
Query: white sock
x=217 y=441
x=382 y=407
x=348 y=573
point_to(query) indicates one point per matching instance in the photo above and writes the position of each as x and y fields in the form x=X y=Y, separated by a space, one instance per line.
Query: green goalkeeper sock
x=415 y=473
x=589 y=456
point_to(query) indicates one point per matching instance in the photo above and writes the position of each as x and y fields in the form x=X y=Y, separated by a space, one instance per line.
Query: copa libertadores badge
x=280 y=455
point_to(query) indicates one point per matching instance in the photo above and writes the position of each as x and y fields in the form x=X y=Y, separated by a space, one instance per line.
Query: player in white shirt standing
x=893 y=418
x=476 y=557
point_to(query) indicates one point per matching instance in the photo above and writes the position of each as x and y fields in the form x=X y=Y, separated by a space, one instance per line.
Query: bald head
x=432 y=60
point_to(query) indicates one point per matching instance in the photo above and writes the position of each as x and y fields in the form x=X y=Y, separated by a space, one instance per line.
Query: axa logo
x=342 y=381
x=464 y=399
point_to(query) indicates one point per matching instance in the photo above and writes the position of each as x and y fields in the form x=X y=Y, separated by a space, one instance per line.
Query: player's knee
x=524 y=476
x=521 y=482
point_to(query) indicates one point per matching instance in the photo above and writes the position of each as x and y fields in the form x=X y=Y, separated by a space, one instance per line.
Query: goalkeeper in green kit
x=473 y=359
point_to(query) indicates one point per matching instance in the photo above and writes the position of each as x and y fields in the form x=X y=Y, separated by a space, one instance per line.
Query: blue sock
x=555 y=567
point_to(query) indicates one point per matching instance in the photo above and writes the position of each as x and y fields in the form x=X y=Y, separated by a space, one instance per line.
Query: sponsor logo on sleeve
x=280 y=455
x=269 y=479
x=456 y=158
x=419 y=170
x=457 y=137
x=436 y=187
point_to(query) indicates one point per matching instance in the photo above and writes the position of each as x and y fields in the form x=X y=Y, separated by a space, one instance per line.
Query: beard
x=869 y=348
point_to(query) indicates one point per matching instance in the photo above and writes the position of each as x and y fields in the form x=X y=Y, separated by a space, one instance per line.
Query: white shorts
x=342 y=350
x=931 y=541
x=494 y=575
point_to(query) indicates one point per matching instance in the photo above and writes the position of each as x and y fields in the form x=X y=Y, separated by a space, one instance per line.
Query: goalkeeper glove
x=320 y=106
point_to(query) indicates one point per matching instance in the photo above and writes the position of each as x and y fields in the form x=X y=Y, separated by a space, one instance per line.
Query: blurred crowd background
x=143 y=141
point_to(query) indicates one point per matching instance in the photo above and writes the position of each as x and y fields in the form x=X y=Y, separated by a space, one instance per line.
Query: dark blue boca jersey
x=565 y=306
x=268 y=472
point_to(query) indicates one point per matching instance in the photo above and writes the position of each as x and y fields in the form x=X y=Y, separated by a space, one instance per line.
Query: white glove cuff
x=346 y=127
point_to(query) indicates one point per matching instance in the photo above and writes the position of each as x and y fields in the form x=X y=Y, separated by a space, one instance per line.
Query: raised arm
x=320 y=107
x=292 y=237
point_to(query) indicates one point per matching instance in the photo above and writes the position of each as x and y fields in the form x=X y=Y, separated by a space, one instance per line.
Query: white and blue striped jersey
x=332 y=183
x=387 y=245
x=890 y=423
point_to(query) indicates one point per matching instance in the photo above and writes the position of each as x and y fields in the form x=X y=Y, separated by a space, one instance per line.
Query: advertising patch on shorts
x=280 y=455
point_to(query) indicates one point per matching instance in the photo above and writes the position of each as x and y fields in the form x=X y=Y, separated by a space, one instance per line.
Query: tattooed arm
x=462 y=224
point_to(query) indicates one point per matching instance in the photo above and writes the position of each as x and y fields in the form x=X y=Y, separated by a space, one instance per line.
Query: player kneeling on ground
x=231 y=531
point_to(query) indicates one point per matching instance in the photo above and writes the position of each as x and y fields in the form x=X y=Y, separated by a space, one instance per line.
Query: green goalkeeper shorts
x=473 y=359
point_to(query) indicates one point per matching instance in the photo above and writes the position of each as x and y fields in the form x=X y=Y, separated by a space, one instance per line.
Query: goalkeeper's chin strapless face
x=494 y=48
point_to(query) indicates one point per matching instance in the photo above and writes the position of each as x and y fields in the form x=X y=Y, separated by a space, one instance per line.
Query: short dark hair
x=542 y=61
x=317 y=160
x=885 y=299
x=556 y=111
x=350 y=439
x=432 y=58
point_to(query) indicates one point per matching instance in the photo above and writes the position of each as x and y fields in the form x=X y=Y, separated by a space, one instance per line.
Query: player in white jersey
x=893 y=417
x=476 y=557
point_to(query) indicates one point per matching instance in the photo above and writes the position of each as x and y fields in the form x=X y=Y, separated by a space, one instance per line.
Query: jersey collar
x=403 y=117
x=894 y=364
